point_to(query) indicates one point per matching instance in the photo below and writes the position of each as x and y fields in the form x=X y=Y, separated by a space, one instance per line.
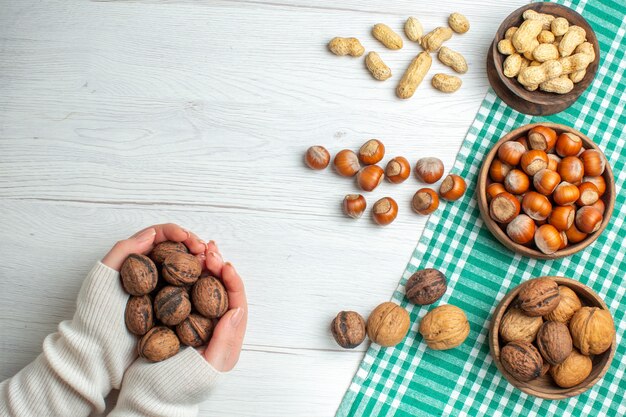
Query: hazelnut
x=181 y=269
x=158 y=344
x=599 y=182
x=534 y=161
x=398 y=170
x=548 y=239
x=538 y=297
x=493 y=190
x=588 y=219
x=565 y=193
x=593 y=162
x=139 y=274
x=572 y=371
x=348 y=329
x=498 y=170
x=346 y=163
x=165 y=249
x=522 y=360
x=372 y=152
x=553 y=162
x=504 y=207
x=452 y=188
x=429 y=170
x=317 y=157
x=571 y=169
x=210 y=297
x=139 y=316
x=554 y=342
x=521 y=229
x=425 y=201
x=592 y=330
x=388 y=324
x=171 y=305
x=369 y=177
x=599 y=205
x=511 y=152
x=546 y=181
x=562 y=217
x=542 y=138
x=444 y=327
x=195 y=330
x=589 y=194
x=354 y=205
x=385 y=211
x=568 y=305
x=425 y=286
x=536 y=206
x=574 y=235
x=516 y=181
x=568 y=144
x=516 y=325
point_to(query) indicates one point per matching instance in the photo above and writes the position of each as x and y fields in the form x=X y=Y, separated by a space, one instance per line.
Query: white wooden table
x=118 y=115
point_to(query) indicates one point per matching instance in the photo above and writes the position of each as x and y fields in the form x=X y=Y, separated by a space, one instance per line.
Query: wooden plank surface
x=117 y=115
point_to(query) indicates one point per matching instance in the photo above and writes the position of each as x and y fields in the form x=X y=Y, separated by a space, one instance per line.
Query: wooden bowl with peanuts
x=555 y=39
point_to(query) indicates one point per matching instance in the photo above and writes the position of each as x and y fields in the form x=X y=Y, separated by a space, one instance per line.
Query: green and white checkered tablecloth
x=411 y=380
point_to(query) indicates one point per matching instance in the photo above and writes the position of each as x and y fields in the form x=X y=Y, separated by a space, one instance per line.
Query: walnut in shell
x=139 y=316
x=554 y=342
x=348 y=329
x=209 y=297
x=172 y=305
x=592 y=330
x=568 y=305
x=572 y=371
x=522 y=360
x=158 y=344
x=165 y=249
x=426 y=286
x=181 y=269
x=195 y=330
x=444 y=327
x=388 y=324
x=538 y=297
x=139 y=275
x=516 y=325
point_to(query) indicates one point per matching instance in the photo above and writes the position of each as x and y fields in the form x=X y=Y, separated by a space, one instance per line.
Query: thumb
x=225 y=344
x=140 y=243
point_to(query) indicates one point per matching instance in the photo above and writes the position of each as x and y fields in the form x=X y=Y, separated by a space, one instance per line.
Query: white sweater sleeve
x=80 y=363
x=172 y=388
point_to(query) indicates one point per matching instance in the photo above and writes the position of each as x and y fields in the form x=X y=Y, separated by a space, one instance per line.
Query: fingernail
x=146 y=235
x=235 y=319
x=201 y=256
x=216 y=256
x=202 y=242
x=186 y=231
x=212 y=242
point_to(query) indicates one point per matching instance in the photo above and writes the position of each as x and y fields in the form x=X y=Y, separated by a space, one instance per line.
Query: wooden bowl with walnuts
x=562 y=78
x=552 y=337
x=546 y=191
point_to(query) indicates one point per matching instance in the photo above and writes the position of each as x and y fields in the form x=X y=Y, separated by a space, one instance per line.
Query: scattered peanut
x=559 y=85
x=545 y=19
x=545 y=52
x=527 y=33
x=535 y=75
x=346 y=46
x=545 y=36
x=559 y=26
x=387 y=36
x=513 y=65
x=574 y=37
x=458 y=23
x=452 y=59
x=413 y=29
x=446 y=83
x=377 y=67
x=414 y=75
x=433 y=40
x=505 y=46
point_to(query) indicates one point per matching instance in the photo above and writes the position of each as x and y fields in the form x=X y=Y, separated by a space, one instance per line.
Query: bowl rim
x=498 y=233
x=526 y=387
x=539 y=97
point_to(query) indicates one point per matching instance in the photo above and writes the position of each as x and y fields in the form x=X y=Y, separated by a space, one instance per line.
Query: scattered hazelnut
x=348 y=329
x=504 y=208
x=398 y=170
x=317 y=157
x=593 y=162
x=572 y=371
x=425 y=201
x=516 y=325
x=195 y=330
x=139 y=316
x=444 y=327
x=388 y=324
x=521 y=229
x=181 y=269
x=385 y=211
x=346 y=163
x=210 y=297
x=369 y=177
x=171 y=305
x=429 y=170
x=522 y=360
x=538 y=297
x=139 y=275
x=452 y=188
x=372 y=152
x=165 y=249
x=554 y=342
x=158 y=344
x=425 y=286
x=354 y=205
x=592 y=330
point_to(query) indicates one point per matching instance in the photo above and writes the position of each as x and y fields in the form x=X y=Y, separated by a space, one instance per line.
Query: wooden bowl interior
x=540 y=97
x=544 y=387
x=499 y=232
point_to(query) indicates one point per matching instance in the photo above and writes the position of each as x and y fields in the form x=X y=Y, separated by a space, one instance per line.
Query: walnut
x=139 y=316
x=554 y=342
x=522 y=360
x=348 y=329
x=572 y=371
x=444 y=327
x=545 y=369
x=426 y=286
x=388 y=324
x=592 y=330
x=181 y=269
x=210 y=297
x=195 y=330
x=516 y=325
x=538 y=297
x=158 y=344
x=568 y=305
x=171 y=305
x=139 y=275
x=165 y=249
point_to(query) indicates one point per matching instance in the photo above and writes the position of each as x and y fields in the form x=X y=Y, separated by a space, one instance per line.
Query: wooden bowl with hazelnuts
x=546 y=191
x=552 y=337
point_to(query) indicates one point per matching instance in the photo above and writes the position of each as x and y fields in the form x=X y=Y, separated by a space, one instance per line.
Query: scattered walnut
x=388 y=324
x=348 y=329
x=444 y=327
x=426 y=286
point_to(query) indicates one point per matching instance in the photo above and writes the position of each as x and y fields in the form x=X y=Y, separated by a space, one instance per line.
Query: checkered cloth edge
x=411 y=380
